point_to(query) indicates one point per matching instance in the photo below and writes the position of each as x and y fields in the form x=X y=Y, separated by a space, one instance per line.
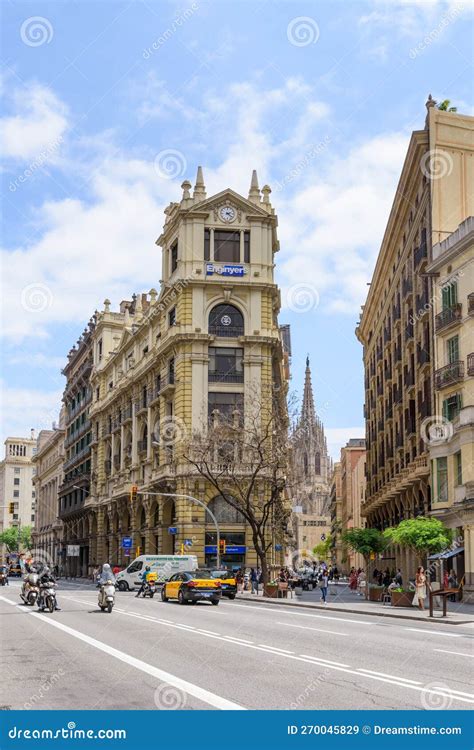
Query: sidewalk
x=340 y=599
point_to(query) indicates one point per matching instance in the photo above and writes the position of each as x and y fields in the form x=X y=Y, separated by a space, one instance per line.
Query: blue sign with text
x=231 y=549
x=172 y=530
x=224 y=269
x=127 y=542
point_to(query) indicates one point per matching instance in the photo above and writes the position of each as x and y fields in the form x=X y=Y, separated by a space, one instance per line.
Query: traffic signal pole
x=134 y=492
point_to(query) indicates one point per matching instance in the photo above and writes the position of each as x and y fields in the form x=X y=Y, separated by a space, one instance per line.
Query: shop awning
x=446 y=555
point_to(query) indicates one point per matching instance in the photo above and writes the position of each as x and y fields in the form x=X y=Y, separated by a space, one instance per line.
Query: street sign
x=127 y=542
x=278 y=547
x=188 y=542
x=172 y=530
x=72 y=550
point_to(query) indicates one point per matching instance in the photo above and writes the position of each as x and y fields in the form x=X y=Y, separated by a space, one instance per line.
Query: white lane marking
x=391 y=676
x=306 y=627
x=436 y=632
x=456 y=653
x=274 y=648
x=300 y=614
x=325 y=661
x=208 y=632
x=235 y=638
x=188 y=687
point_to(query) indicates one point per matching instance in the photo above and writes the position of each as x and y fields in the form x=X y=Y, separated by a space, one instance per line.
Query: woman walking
x=420 y=587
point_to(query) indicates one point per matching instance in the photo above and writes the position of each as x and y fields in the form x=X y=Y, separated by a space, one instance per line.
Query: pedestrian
x=353 y=579
x=446 y=580
x=398 y=577
x=239 y=579
x=375 y=575
x=387 y=579
x=361 y=583
x=420 y=588
x=323 y=585
x=453 y=584
x=254 y=581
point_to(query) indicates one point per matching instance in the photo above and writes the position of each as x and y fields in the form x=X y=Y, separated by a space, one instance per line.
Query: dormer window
x=174 y=257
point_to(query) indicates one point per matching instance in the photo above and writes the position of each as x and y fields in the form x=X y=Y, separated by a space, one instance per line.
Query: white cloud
x=24 y=409
x=40 y=122
x=337 y=438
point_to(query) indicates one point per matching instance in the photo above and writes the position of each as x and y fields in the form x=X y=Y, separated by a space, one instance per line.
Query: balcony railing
x=409 y=378
x=226 y=377
x=423 y=356
x=470 y=364
x=449 y=374
x=126 y=413
x=420 y=253
x=448 y=316
x=226 y=332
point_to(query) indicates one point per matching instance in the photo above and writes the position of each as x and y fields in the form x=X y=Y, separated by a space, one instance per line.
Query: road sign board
x=278 y=547
x=72 y=550
x=188 y=542
x=172 y=530
x=127 y=542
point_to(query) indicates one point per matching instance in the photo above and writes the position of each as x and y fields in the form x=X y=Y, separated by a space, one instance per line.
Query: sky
x=109 y=106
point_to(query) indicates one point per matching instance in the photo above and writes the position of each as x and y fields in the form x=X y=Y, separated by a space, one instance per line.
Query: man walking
x=323 y=585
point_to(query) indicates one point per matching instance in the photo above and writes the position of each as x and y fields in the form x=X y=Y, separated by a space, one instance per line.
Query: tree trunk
x=367 y=564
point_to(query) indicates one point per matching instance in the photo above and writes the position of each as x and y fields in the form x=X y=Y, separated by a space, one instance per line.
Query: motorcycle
x=29 y=592
x=3 y=576
x=48 y=595
x=149 y=589
x=107 y=596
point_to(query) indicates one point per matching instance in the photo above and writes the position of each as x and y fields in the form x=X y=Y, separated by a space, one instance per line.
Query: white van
x=163 y=565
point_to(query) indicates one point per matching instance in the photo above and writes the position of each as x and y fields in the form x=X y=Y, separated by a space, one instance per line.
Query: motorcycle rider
x=144 y=581
x=44 y=577
x=105 y=575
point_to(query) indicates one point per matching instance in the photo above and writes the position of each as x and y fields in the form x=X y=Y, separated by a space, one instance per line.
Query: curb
x=300 y=605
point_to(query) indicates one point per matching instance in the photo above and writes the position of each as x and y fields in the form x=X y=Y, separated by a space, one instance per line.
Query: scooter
x=106 y=599
x=48 y=595
x=30 y=592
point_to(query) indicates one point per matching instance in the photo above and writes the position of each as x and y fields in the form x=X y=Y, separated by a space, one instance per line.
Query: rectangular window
x=452 y=346
x=172 y=317
x=16 y=493
x=207 y=244
x=171 y=371
x=225 y=403
x=442 y=479
x=226 y=246
x=17 y=471
x=246 y=247
x=226 y=365
x=452 y=406
x=449 y=294
x=99 y=349
x=174 y=256
x=16 y=481
x=458 y=468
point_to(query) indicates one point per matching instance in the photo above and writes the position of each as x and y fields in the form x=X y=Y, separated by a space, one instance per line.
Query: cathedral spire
x=308 y=413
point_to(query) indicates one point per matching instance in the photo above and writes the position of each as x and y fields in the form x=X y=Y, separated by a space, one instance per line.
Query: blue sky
x=319 y=97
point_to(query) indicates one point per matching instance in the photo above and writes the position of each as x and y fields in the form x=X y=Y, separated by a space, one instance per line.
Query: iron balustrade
x=448 y=315
x=449 y=374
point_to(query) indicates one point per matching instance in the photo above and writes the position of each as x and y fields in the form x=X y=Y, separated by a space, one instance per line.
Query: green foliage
x=444 y=106
x=423 y=535
x=323 y=550
x=365 y=541
x=15 y=539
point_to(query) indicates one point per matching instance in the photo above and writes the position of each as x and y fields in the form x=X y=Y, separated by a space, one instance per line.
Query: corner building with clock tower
x=166 y=363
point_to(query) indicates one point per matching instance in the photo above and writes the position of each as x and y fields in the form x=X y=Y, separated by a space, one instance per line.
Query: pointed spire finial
x=199 y=188
x=307 y=360
x=254 y=192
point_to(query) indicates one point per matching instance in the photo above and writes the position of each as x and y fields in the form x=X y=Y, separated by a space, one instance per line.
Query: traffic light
x=133 y=492
x=222 y=546
x=11 y=507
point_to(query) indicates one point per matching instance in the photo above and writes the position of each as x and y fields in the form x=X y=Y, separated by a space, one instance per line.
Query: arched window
x=226 y=321
x=224 y=512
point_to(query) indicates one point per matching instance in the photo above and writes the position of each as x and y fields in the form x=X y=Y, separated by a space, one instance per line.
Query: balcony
x=420 y=253
x=422 y=304
x=470 y=364
x=470 y=304
x=448 y=316
x=409 y=378
x=407 y=286
x=126 y=414
x=226 y=332
x=226 y=377
x=423 y=356
x=425 y=408
x=79 y=456
x=449 y=374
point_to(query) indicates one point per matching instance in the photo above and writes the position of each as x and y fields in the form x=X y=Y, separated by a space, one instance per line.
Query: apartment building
x=17 y=492
x=396 y=325
x=451 y=432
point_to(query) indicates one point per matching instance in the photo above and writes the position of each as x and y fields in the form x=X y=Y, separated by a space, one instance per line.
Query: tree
x=444 y=106
x=245 y=459
x=366 y=542
x=323 y=549
x=16 y=539
x=422 y=535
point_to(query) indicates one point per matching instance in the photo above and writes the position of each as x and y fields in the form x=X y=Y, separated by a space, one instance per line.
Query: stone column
x=468 y=530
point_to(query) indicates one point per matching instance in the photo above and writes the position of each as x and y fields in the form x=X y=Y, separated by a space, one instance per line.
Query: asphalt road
x=153 y=655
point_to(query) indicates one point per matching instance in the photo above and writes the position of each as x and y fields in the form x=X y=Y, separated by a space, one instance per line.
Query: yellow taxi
x=189 y=588
x=227 y=581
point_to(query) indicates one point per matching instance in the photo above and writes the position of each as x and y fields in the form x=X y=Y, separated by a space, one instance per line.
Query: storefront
x=233 y=557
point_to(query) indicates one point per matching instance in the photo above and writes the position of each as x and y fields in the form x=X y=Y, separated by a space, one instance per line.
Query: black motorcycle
x=149 y=589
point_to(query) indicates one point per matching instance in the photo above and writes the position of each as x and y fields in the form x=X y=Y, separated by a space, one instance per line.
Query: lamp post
x=199 y=502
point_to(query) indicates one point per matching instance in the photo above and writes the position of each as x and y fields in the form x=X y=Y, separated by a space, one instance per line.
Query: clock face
x=227 y=213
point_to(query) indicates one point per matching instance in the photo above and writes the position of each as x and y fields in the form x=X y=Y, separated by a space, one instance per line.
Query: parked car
x=227 y=581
